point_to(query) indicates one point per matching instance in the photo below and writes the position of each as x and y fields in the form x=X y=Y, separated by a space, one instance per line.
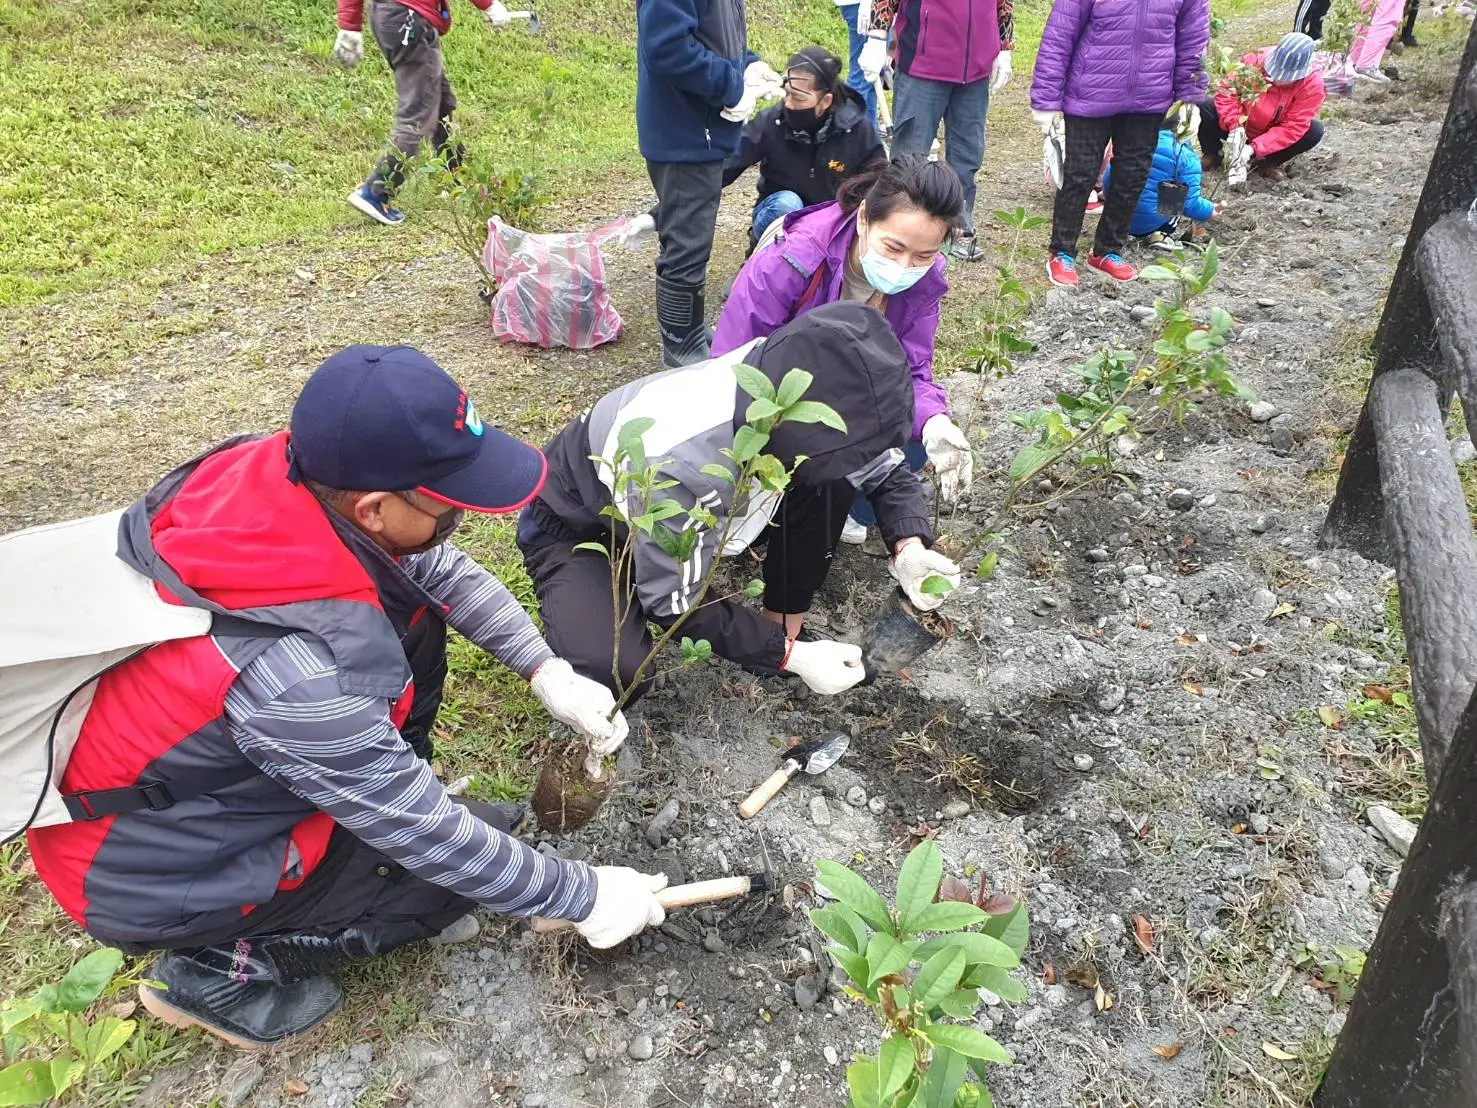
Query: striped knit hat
x=1291 y=59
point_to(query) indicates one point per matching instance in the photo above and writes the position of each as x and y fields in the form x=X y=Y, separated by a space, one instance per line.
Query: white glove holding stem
x=1000 y=72
x=952 y=459
x=581 y=703
x=348 y=48
x=1048 y=121
x=826 y=667
x=913 y=565
x=1187 y=121
x=625 y=903
x=497 y=14
x=873 y=57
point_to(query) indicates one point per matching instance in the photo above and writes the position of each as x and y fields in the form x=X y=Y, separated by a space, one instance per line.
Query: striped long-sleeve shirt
x=342 y=753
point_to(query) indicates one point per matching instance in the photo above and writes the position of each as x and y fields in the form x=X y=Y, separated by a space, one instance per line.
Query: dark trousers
x=1134 y=136
x=687 y=195
x=1309 y=17
x=1407 y=31
x=424 y=101
x=574 y=586
x=1213 y=139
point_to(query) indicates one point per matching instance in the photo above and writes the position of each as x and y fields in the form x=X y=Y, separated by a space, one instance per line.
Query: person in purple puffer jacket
x=880 y=241
x=1109 y=70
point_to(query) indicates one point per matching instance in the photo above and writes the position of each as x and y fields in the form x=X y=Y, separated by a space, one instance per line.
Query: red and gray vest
x=231 y=533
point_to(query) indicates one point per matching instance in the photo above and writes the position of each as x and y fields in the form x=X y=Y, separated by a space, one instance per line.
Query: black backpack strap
x=157 y=795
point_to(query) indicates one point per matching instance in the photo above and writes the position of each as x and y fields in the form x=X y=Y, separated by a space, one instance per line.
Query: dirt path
x=1111 y=706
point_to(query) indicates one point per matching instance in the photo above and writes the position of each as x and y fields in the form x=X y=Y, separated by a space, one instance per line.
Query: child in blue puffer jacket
x=1175 y=163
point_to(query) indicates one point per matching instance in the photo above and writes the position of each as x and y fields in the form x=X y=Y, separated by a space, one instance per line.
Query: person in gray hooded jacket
x=860 y=370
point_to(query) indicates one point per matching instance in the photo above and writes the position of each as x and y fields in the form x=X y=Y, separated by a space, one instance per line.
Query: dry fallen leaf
x=1272 y=1050
x=124 y=1009
x=1187 y=639
x=1283 y=609
x=1193 y=689
x=1330 y=717
x=1143 y=935
x=1238 y=829
x=1169 y=1053
x=1048 y=975
x=1083 y=975
x=1102 y=998
x=294 y=1087
x=1378 y=692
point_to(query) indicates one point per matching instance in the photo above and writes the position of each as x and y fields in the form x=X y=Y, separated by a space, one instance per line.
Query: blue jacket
x=1175 y=162
x=690 y=61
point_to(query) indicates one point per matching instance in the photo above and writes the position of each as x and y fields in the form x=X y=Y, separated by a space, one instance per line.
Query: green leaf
x=855 y=965
x=794 y=385
x=86 y=981
x=997 y=980
x=936 y=585
x=1013 y=929
x=943 y=1078
x=632 y=430
x=864 y=1079
x=960 y=1004
x=753 y=382
x=918 y=880
x=968 y=1042
x=978 y=946
x=593 y=547
x=106 y=1037
x=851 y=890
x=761 y=409
x=754 y=588
x=1199 y=341
x=886 y=955
x=950 y=915
x=66 y=1071
x=938 y=977
x=27 y=1083
x=686 y=543
x=747 y=442
x=834 y=924
x=1158 y=273
x=896 y=1062
x=1029 y=460
x=666 y=542
x=987 y=564
x=813 y=411
x=719 y=472
x=17 y=1013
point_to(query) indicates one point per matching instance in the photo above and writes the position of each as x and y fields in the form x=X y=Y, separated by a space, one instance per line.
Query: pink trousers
x=1371 y=39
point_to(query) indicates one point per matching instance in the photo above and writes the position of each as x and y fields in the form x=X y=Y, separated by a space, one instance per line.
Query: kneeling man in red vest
x=258 y=801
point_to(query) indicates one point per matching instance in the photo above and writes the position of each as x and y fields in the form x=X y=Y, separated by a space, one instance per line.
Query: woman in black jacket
x=808 y=144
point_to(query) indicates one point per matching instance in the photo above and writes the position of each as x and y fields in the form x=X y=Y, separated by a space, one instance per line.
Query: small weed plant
x=1002 y=342
x=51 y=1046
x=919 y=966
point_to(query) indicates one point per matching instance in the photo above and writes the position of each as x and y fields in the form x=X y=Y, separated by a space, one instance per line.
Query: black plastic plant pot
x=896 y=637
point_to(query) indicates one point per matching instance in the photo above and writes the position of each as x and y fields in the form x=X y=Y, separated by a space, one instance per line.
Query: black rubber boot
x=229 y=992
x=679 y=316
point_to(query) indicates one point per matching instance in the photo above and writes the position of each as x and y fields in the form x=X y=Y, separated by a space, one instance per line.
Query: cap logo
x=474 y=421
x=467 y=418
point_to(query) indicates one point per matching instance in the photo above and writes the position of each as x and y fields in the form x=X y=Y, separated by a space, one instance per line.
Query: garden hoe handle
x=884 y=109
x=761 y=796
x=678 y=896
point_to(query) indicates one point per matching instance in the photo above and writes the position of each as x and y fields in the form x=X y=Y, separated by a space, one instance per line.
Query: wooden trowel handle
x=761 y=796
x=678 y=896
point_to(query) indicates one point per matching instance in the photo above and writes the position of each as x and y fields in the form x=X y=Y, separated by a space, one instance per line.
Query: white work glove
x=581 y=703
x=948 y=450
x=873 y=57
x=348 y=48
x=766 y=83
x=827 y=667
x=636 y=226
x=738 y=113
x=497 y=14
x=1187 y=121
x=913 y=565
x=1047 y=121
x=625 y=903
x=1000 y=72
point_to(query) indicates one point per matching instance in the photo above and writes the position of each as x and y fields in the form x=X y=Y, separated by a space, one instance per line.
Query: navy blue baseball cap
x=387 y=418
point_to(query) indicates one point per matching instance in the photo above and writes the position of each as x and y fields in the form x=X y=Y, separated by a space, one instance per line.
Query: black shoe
x=248 y=1014
x=965 y=249
x=679 y=317
x=1408 y=39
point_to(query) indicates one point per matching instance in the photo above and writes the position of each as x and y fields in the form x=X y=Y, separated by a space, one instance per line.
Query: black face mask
x=445 y=525
x=802 y=119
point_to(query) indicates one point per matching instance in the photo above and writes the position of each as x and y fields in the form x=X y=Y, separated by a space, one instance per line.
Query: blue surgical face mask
x=884 y=274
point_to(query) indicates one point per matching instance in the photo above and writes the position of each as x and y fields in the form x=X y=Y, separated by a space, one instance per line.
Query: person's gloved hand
x=873 y=57
x=738 y=113
x=914 y=564
x=766 y=83
x=497 y=14
x=1186 y=121
x=348 y=48
x=827 y=667
x=1000 y=72
x=636 y=226
x=581 y=703
x=625 y=903
x=949 y=451
x=1240 y=152
x=1047 y=121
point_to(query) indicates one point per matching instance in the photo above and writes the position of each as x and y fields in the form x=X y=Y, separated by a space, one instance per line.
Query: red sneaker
x=1114 y=266
x=1062 y=270
x=1094 y=203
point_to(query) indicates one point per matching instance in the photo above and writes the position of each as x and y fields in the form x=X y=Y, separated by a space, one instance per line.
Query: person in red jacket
x=409 y=35
x=1270 y=129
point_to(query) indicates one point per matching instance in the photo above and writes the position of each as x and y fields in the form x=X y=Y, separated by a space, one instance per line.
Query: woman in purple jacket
x=880 y=241
x=1110 y=70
